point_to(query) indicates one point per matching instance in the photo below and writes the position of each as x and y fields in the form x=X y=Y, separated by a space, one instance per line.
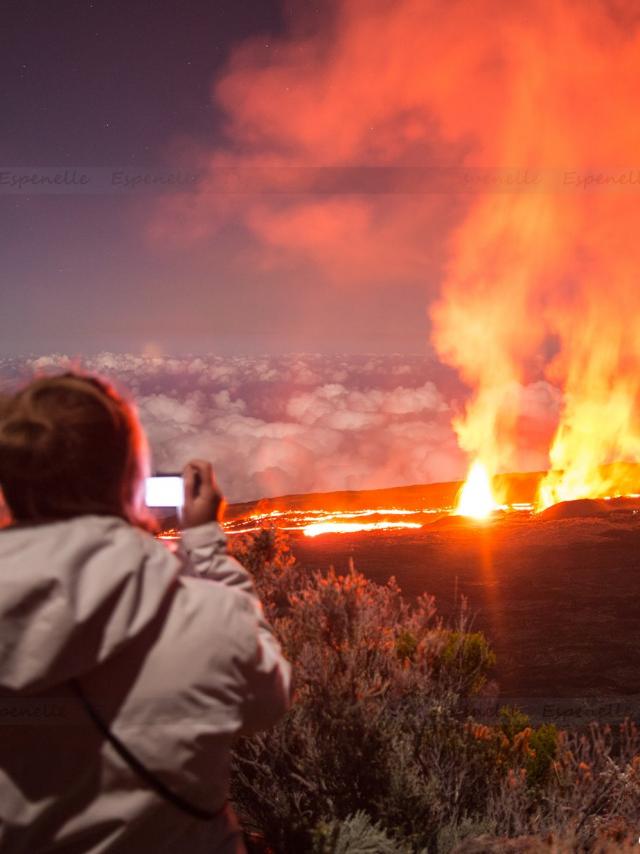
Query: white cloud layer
x=308 y=423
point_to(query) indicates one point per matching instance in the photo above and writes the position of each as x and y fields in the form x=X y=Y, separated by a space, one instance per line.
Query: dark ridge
x=581 y=508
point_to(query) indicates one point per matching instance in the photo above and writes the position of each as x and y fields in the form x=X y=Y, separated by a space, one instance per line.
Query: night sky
x=130 y=86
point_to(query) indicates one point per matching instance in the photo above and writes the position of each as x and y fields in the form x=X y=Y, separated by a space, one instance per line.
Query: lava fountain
x=541 y=286
x=476 y=498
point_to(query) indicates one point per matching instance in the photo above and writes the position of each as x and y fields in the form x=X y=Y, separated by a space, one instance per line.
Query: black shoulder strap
x=141 y=770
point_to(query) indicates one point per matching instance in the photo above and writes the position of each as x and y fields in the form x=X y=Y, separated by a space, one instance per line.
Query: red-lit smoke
x=539 y=279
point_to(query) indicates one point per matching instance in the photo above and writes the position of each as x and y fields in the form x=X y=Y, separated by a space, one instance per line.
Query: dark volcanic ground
x=558 y=599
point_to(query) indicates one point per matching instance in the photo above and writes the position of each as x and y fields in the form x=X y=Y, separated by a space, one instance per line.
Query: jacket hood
x=73 y=593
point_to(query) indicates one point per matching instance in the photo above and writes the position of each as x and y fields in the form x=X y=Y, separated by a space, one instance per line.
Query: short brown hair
x=70 y=445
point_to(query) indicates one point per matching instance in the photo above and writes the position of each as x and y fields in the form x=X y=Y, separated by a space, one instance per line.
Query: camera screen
x=167 y=491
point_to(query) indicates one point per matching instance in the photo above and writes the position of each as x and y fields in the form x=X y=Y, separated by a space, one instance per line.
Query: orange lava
x=476 y=498
x=316 y=528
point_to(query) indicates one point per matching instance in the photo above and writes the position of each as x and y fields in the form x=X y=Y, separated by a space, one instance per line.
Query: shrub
x=375 y=678
x=355 y=835
x=378 y=752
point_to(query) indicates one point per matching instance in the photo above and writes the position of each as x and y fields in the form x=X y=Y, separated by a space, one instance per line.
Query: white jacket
x=171 y=650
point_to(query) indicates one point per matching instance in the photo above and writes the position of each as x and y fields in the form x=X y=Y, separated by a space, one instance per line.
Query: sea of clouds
x=278 y=425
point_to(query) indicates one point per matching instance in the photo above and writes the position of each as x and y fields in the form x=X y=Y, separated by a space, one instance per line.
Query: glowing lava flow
x=476 y=496
x=316 y=528
x=476 y=499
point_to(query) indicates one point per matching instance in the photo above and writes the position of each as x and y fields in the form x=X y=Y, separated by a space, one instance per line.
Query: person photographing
x=126 y=671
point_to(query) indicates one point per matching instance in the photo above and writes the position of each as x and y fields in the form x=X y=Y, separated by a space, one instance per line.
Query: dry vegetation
x=379 y=753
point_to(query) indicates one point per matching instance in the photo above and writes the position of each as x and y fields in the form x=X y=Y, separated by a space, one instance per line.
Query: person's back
x=171 y=652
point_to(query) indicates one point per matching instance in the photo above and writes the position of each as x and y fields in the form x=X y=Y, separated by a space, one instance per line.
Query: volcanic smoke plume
x=537 y=278
x=556 y=268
